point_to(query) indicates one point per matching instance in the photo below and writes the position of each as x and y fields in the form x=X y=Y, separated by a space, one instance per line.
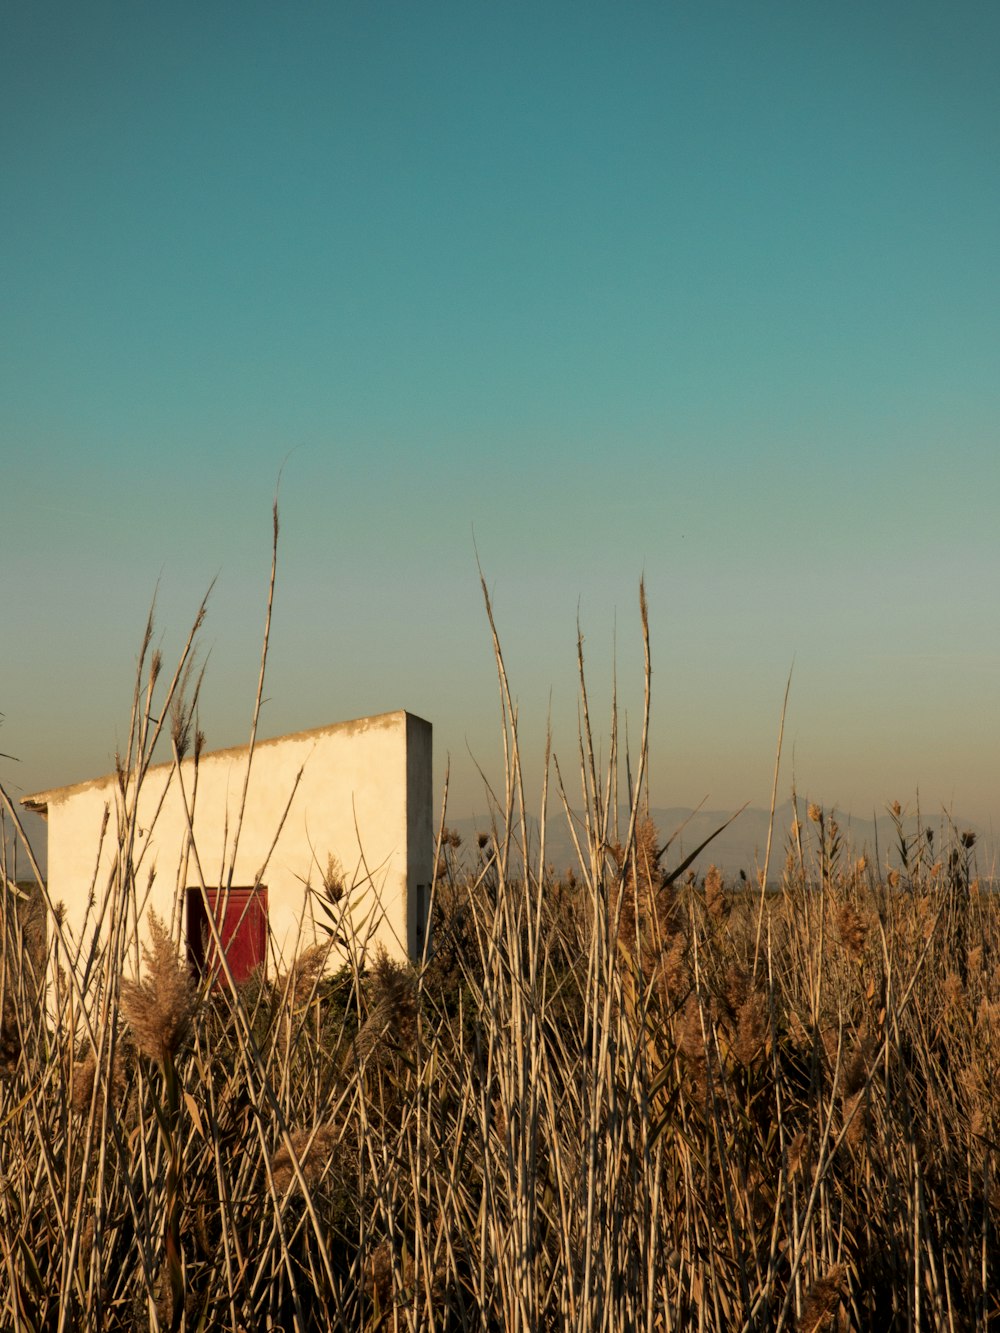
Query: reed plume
x=159 y=1008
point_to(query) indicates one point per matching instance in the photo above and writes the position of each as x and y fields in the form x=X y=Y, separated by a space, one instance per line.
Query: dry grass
x=603 y=1101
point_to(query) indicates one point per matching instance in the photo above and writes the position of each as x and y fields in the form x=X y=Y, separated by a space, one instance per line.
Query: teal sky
x=706 y=292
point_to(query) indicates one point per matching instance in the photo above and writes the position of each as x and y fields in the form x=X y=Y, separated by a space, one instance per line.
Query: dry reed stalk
x=770 y=820
x=523 y=1148
x=258 y=698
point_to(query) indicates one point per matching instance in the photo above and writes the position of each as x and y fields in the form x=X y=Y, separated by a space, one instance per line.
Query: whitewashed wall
x=364 y=797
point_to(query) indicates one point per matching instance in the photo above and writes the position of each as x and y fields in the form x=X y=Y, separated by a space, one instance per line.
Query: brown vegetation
x=602 y=1101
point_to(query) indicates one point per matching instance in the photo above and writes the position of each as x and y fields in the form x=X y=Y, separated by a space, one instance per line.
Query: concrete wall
x=364 y=798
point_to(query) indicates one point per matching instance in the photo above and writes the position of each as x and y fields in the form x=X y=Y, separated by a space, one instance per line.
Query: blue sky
x=700 y=292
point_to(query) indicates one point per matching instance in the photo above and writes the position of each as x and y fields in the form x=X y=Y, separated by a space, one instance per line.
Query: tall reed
x=627 y=1097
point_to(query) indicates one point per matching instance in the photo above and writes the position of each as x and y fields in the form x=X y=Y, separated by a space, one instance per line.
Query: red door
x=241 y=915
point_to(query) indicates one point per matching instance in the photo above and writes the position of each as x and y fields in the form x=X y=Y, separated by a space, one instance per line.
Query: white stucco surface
x=363 y=797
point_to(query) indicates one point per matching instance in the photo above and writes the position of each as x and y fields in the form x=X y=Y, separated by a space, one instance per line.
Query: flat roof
x=40 y=801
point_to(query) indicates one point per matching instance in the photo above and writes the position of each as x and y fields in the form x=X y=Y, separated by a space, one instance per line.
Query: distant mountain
x=743 y=844
x=740 y=847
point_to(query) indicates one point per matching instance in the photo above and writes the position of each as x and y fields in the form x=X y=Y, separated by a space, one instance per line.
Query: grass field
x=623 y=1099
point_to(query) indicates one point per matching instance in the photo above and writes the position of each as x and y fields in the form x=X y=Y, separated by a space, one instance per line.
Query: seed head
x=736 y=988
x=87 y=1239
x=856 y=1118
x=304 y=974
x=751 y=1029
x=378 y=1275
x=392 y=1014
x=820 y=1310
x=160 y=1008
x=312 y=1151
x=853 y=1070
x=954 y=992
x=647 y=862
x=692 y=1040
x=84 y=1072
x=334 y=882
x=715 y=901
x=675 y=972
x=852 y=928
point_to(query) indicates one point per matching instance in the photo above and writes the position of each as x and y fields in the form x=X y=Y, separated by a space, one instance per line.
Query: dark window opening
x=241 y=916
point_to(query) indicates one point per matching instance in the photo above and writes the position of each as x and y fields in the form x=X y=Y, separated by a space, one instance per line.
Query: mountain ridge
x=742 y=845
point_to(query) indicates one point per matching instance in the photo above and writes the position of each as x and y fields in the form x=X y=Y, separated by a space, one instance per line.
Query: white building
x=355 y=796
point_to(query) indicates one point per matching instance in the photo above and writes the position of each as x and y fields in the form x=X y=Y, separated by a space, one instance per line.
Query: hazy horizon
x=701 y=295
